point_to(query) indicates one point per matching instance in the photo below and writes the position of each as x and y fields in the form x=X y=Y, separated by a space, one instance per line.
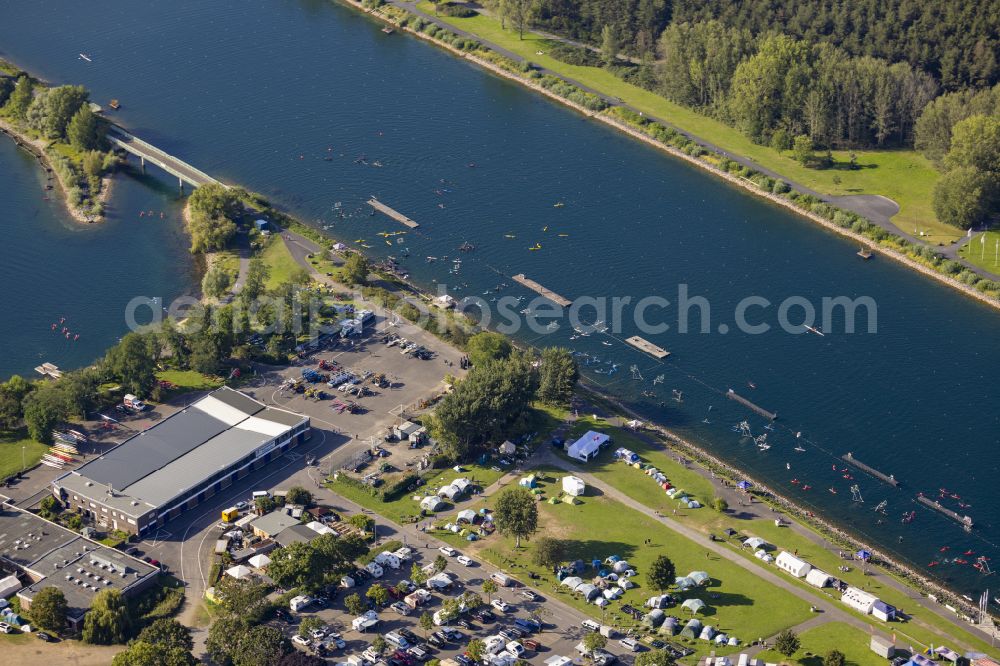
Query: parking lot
x=409 y=383
x=559 y=635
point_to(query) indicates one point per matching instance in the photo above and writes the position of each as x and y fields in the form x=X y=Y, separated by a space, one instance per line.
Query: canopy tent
x=259 y=561
x=699 y=577
x=508 y=448
x=572 y=582
x=863 y=555
x=755 y=543
x=239 y=572
x=588 y=446
x=744 y=485
x=693 y=605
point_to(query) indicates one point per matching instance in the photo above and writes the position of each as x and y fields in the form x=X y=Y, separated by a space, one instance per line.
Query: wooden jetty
x=547 y=293
x=887 y=478
x=394 y=214
x=49 y=370
x=964 y=521
x=644 y=345
x=733 y=395
x=865 y=253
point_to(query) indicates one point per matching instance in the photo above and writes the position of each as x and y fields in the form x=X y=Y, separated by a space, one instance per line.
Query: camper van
x=503 y=580
x=299 y=602
x=132 y=402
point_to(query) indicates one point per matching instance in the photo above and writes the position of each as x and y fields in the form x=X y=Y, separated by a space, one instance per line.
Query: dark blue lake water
x=310 y=104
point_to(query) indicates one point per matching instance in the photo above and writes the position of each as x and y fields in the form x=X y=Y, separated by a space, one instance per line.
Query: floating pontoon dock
x=394 y=214
x=965 y=521
x=642 y=344
x=547 y=293
x=49 y=370
x=733 y=395
x=887 y=478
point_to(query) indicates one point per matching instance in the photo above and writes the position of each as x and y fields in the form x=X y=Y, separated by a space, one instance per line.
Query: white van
x=395 y=639
x=629 y=644
x=590 y=625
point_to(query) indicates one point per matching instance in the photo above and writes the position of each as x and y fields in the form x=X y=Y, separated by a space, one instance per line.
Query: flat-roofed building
x=49 y=555
x=180 y=462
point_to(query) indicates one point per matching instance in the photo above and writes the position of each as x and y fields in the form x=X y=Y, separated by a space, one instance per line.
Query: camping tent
x=693 y=605
x=431 y=503
x=621 y=566
x=683 y=583
x=528 y=481
x=654 y=618
x=467 y=516
x=707 y=633
x=744 y=485
x=692 y=628
x=818 y=578
x=572 y=582
x=573 y=485
x=508 y=448
x=699 y=577
x=259 y=561
x=669 y=626
x=588 y=591
x=755 y=543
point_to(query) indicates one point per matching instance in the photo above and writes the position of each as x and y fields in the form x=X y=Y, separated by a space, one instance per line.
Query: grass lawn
x=738 y=602
x=904 y=176
x=227 y=260
x=189 y=380
x=633 y=482
x=817 y=642
x=405 y=508
x=10 y=452
x=280 y=261
x=983 y=254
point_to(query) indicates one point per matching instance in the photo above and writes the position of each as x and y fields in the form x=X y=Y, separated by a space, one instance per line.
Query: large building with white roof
x=153 y=476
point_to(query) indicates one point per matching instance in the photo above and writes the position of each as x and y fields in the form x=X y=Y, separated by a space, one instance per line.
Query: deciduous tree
x=48 y=609
x=516 y=513
x=558 y=374
x=108 y=622
x=662 y=573
x=786 y=642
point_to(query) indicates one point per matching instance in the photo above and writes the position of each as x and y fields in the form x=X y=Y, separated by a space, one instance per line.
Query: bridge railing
x=161 y=158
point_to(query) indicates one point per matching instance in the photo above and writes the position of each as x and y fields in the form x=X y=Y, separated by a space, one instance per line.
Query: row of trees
x=62 y=113
x=492 y=400
x=780 y=85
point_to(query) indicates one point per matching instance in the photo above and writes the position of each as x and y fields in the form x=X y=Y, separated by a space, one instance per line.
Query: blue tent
x=863 y=555
x=744 y=485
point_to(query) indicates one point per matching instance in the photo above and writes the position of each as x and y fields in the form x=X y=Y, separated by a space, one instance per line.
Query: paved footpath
x=876 y=208
x=546 y=457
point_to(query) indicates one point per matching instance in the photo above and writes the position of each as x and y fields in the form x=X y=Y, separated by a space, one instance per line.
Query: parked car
x=464 y=660
x=531 y=644
x=408 y=635
x=317 y=634
x=629 y=644
x=453 y=635
x=464 y=560
x=528 y=594
x=447 y=550
x=500 y=605
x=301 y=640
x=400 y=608
x=6 y=628
x=42 y=636
x=484 y=615
x=603 y=658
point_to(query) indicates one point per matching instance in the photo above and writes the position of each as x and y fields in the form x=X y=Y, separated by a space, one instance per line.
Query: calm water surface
x=311 y=104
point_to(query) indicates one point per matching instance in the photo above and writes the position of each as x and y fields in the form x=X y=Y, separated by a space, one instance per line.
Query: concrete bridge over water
x=147 y=152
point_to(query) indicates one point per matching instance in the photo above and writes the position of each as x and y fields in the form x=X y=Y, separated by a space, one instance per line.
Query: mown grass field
x=817 y=642
x=904 y=176
x=280 y=262
x=737 y=601
x=983 y=253
x=403 y=509
x=11 y=453
x=189 y=380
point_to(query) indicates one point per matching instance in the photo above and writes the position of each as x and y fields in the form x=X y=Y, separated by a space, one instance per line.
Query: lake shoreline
x=37 y=148
x=742 y=183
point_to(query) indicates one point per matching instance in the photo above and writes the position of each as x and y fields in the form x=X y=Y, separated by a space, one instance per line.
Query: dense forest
x=812 y=74
x=957 y=41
